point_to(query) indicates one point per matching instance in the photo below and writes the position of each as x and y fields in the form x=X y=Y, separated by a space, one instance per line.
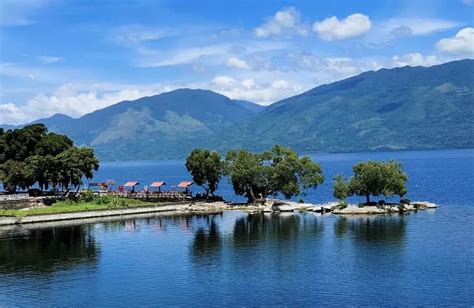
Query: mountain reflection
x=375 y=228
x=48 y=250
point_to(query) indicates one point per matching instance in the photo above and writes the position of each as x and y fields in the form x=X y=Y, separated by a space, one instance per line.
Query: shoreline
x=271 y=206
x=43 y=218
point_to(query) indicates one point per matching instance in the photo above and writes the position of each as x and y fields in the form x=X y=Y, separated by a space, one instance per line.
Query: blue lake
x=424 y=258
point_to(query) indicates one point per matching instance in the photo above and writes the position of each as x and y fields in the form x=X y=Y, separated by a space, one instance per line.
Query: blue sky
x=74 y=57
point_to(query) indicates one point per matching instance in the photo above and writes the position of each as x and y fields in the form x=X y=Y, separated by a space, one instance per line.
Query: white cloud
x=153 y=58
x=334 y=29
x=461 y=43
x=49 y=59
x=237 y=63
x=132 y=35
x=415 y=59
x=224 y=81
x=10 y=114
x=417 y=26
x=213 y=54
x=284 y=22
x=263 y=91
x=76 y=100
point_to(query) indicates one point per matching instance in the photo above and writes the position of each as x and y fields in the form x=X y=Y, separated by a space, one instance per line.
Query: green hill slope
x=390 y=109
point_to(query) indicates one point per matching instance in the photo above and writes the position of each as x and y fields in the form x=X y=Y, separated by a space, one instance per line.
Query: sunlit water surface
x=234 y=258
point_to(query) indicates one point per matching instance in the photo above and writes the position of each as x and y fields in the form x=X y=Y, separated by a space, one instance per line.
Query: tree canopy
x=280 y=170
x=32 y=155
x=206 y=168
x=375 y=178
x=340 y=188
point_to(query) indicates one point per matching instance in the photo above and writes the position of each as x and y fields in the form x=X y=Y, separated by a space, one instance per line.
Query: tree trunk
x=250 y=196
x=368 y=199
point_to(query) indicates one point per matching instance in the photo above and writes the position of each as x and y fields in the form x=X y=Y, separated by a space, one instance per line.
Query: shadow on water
x=383 y=228
x=48 y=250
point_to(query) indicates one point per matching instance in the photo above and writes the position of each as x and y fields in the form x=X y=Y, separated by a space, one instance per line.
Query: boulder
x=283 y=208
x=424 y=205
x=365 y=210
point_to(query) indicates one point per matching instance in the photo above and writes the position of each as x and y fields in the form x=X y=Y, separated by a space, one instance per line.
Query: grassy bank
x=103 y=203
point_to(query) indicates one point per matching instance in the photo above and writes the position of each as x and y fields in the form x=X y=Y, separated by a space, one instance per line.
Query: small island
x=52 y=169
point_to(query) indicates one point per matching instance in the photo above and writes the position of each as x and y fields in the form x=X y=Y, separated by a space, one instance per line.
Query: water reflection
x=207 y=240
x=382 y=228
x=255 y=227
x=48 y=250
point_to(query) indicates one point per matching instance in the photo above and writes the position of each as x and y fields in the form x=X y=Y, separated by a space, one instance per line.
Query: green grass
x=104 y=203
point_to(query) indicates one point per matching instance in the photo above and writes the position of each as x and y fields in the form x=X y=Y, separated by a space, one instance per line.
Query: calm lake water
x=424 y=258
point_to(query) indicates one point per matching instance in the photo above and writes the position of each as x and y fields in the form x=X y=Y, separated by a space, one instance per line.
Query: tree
x=291 y=174
x=378 y=178
x=278 y=171
x=248 y=174
x=21 y=143
x=206 y=168
x=32 y=155
x=53 y=144
x=46 y=170
x=16 y=175
x=340 y=188
x=74 y=164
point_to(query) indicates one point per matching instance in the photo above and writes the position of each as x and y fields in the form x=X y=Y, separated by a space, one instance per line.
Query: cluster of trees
x=33 y=155
x=372 y=178
x=281 y=170
x=255 y=175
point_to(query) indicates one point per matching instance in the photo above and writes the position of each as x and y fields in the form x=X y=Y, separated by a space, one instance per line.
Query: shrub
x=102 y=200
x=118 y=203
x=87 y=196
x=301 y=201
x=342 y=204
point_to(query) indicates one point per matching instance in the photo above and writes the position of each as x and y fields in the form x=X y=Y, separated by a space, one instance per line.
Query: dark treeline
x=33 y=155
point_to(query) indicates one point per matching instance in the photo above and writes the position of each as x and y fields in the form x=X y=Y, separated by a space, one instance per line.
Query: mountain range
x=403 y=108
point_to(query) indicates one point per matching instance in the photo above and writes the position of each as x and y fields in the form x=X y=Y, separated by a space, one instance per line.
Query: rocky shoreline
x=270 y=206
x=279 y=206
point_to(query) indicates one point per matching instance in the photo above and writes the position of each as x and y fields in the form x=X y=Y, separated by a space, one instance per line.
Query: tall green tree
x=375 y=178
x=21 y=143
x=53 y=144
x=32 y=155
x=206 y=169
x=280 y=170
x=15 y=175
x=292 y=174
x=74 y=164
x=249 y=175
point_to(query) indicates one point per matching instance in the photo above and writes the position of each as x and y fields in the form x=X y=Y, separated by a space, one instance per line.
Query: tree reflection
x=207 y=241
x=48 y=250
x=274 y=227
x=374 y=228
